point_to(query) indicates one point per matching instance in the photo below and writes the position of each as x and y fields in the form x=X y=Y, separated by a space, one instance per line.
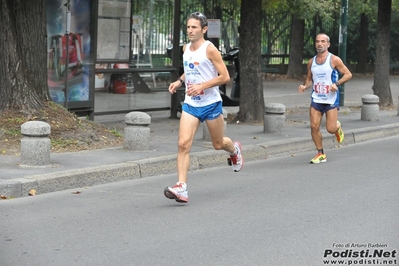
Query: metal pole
x=68 y=29
x=150 y=34
x=175 y=56
x=343 y=32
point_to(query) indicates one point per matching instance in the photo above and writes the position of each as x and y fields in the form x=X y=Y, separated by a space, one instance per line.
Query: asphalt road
x=280 y=211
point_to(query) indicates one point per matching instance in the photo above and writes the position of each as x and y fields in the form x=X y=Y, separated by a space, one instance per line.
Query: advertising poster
x=78 y=74
x=113 y=30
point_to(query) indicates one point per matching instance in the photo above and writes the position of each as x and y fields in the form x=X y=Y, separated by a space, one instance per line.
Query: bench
x=393 y=67
x=268 y=70
x=161 y=61
x=156 y=61
x=137 y=72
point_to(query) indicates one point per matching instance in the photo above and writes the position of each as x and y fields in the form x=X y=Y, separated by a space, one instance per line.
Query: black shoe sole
x=168 y=194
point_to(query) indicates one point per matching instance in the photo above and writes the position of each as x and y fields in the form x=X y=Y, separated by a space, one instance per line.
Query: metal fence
x=157 y=30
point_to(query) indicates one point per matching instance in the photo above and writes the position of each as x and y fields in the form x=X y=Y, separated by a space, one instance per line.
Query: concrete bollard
x=398 y=106
x=274 y=118
x=137 y=132
x=370 y=108
x=205 y=130
x=35 y=143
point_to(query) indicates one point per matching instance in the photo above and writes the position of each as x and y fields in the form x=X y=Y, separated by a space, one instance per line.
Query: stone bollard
x=205 y=130
x=370 y=108
x=137 y=132
x=398 y=106
x=35 y=143
x=274 y=118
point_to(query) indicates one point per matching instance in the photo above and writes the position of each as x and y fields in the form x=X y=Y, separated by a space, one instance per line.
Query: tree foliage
x=308 y=8
x=301 y=10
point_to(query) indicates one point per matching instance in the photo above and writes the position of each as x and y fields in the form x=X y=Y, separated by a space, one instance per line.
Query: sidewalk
x=88 y=168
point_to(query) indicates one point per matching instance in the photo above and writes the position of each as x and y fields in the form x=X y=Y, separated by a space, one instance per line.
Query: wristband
x=337 y=84
x=182 y=82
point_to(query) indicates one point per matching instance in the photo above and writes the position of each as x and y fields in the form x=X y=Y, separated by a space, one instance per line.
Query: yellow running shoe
x=340 y=133
x=319 y=158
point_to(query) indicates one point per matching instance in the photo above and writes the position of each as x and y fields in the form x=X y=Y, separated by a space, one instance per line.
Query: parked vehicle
x=234 y=99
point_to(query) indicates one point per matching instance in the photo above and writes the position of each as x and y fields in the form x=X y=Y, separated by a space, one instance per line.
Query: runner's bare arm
x=178 y=83
x=343 y=70
x=214 y=56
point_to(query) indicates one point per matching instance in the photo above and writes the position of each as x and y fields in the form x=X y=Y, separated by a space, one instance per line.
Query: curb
x=160 y=165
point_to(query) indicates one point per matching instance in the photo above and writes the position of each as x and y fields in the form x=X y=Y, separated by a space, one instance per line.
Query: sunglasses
x=201 y=17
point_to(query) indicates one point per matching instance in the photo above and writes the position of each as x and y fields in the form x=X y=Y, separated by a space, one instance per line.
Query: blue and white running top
x=323 y=77
x=198 y=69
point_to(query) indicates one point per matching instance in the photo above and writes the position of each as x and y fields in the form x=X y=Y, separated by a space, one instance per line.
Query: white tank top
x=198 y=69
x=323 y=77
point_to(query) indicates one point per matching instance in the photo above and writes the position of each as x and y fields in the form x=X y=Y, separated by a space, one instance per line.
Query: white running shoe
x=178 y=192
x=236 y=161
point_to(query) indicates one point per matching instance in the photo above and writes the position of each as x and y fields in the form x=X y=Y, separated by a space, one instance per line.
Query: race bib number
x=322 y=88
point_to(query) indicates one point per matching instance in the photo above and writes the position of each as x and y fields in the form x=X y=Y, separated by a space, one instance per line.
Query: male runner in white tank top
x=323 y=78
x=204 y=71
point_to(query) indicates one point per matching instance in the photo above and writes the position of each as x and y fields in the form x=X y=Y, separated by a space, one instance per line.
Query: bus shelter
x=110 y=56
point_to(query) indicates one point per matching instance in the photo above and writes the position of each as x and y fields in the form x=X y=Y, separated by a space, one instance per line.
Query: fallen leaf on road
x=32 y=192
x=77 y=192
x=3 y=197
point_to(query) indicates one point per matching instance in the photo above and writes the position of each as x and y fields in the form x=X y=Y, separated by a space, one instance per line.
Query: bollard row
x=36 y=145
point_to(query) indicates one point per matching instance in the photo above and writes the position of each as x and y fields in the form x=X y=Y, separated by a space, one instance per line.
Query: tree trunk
x=252 y=103
x=363 y=44
x=381 y=85
x=23 y=71
x=295 y=67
